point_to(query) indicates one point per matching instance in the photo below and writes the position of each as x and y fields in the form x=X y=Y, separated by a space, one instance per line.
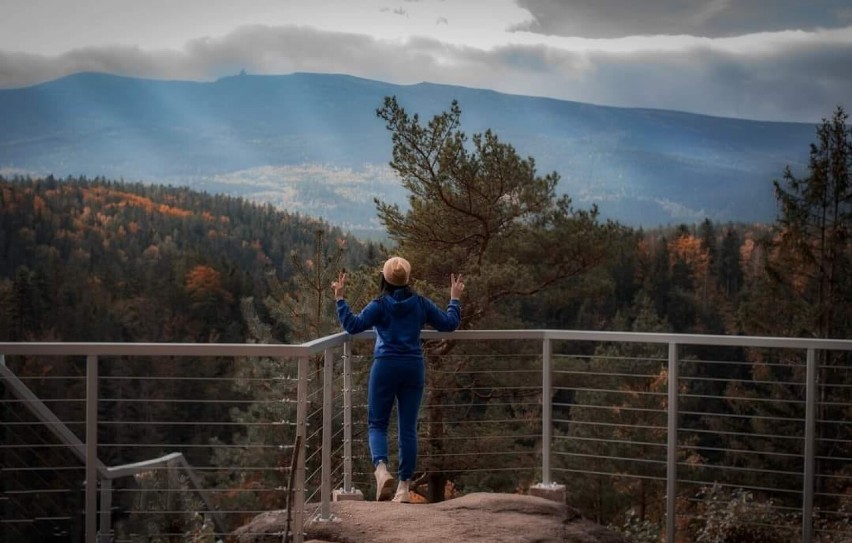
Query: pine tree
x=816 y=222
x=805 y=288
x=730 y=272
x=477 y=208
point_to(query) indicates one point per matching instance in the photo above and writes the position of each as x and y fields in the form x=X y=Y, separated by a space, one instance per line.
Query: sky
x=784 y=60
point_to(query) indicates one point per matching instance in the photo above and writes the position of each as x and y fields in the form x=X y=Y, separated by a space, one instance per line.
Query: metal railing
x=660 y=420
x=167 y=483
x=687 y=421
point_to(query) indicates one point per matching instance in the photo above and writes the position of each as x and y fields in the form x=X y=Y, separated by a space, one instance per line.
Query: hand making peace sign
x=456 y=286
x=337 y=286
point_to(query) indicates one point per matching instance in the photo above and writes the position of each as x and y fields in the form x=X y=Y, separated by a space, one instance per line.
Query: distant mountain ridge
x=312 y=143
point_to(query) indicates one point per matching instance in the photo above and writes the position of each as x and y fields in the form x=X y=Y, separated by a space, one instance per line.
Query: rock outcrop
x=480 y=517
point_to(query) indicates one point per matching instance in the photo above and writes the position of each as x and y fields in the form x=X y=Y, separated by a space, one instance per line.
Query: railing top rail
x=154 y=349
x=335 y=340
x=704 y=339
x=646 y=337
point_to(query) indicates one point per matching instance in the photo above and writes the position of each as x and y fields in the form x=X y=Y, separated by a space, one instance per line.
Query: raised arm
x=350 y=322
x=449 y=320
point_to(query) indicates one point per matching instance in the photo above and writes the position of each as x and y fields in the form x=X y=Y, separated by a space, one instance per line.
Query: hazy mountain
x=312 y=143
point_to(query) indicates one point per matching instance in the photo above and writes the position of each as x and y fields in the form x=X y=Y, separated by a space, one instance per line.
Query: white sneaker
x=384 y=482
x=402 y=493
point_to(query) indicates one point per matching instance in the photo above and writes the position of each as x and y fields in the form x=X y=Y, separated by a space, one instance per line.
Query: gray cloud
x=709 y=18
x=258 y=49
x=804 y=82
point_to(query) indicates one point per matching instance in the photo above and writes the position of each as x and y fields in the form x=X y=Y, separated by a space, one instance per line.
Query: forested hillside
x=96 y=260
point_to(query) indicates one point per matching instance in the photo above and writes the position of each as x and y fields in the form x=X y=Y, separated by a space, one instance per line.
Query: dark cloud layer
x=803 y=82
x=709 y=18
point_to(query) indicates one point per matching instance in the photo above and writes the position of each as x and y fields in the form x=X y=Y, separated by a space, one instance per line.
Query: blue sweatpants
x=401 y=381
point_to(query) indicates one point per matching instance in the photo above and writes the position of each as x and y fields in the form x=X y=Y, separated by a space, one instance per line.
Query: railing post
x=547 y=488
x=298 y=507
x=810 y=446
x=327 y=417
x=347 y=417
x=91 y=448
x=105 y=528
x=546 y=410
x=671 y=447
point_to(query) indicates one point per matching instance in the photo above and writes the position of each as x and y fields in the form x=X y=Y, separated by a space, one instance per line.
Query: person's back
x=398 y=316
x=398 y=371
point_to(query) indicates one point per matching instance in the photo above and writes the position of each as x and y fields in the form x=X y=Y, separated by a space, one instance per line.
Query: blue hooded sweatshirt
x=398 y=318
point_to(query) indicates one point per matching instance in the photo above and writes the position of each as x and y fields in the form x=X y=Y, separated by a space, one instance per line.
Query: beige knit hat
x=397 y=271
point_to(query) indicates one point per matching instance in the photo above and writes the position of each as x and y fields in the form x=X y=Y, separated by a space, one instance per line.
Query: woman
x=398 y=373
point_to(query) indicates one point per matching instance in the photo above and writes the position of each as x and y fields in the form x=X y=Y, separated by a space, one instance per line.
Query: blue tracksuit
x=398 y=372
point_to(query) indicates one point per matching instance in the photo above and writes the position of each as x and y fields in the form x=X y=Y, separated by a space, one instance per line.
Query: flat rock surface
x=480 y=517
